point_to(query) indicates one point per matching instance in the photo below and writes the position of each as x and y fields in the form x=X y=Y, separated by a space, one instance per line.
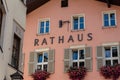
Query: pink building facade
x=82 y=33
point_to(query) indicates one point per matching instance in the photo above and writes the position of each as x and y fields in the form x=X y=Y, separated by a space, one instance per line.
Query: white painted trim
x=77 y=15
x=77 y=46
x=110 y=44
x=38 y=28
x=108 y=12
x=42 y=49
x=111 y=58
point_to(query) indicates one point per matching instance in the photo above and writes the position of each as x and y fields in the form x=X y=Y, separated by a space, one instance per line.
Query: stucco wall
x=93 y=24
x=15 y=11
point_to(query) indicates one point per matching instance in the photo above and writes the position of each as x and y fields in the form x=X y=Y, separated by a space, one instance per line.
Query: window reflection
x=107 y=52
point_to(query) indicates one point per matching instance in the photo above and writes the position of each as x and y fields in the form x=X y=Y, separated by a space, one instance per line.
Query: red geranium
x=40 y=75
x=110 y=72
x=77 y=73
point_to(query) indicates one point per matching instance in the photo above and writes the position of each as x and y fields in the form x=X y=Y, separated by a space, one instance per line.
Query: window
x=111 y=55
x=78 y=57
x=78 y=22
x=41 y=60
x=109 y=19
x=108 y=55
x=64 y=3
x=15 y=52
x=44 y=26
x=42 y=63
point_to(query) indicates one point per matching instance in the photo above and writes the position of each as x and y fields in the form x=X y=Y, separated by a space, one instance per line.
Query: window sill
x=38 y=34
x=77 y=30
x=108 y=27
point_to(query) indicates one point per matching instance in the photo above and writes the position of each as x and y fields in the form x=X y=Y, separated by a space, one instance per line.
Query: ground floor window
x=42 y=62
x=111 y=55
x=78 y=57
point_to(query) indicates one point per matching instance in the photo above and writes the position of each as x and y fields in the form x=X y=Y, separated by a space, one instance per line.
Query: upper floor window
x=64 y=3
x=78 y=57
x=78 y=22
x=44 y=26
x=42 y=62
x=15 y=52
x=109 y=19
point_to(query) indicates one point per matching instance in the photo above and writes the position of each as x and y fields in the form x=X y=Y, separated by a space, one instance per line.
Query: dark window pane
x=75 y=21
x=108 y=62
x=106 y=18
x=15 y=52
x=47 y=26
x=39 y=67
x=41 y=30
x=47 y=29
x=75 y=55
x=107 y=52
x=81 y=64
x=112 y=16
x=45 y=57
x=81 y=54
x=42 y=27
x=47 y=23
x=112 y=22
x=64 y=3
x=115 y=62
x=45 y=67
x=81 y=19
x=42 y=24
x=114 y=52
x=75 y=64
x=82 y=26
x=40 y=57
x=106 y=23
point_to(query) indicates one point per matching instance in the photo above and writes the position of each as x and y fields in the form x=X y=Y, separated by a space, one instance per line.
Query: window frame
x=42 y=63
x=78 y=60
x=64 y=3
x=109 y=12
x=111 y=58
x=39 y=26
x=78 y=16
x=18 y=39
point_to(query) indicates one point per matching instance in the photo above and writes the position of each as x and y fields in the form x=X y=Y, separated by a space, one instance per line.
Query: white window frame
x=42 y=63
x=111 y=58
x=78 y=60
x=77 y=15
x=109 y=12
x=39 y=27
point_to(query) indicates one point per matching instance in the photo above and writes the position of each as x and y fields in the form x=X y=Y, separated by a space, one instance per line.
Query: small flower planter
x=40 y=75
x=110 y=72
x=77 y=73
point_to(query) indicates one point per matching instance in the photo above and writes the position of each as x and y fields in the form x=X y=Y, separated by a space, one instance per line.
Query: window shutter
x=99 y=57
x=88 y=58
x=67 y=59
x=51 y=61
x=31 y=64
